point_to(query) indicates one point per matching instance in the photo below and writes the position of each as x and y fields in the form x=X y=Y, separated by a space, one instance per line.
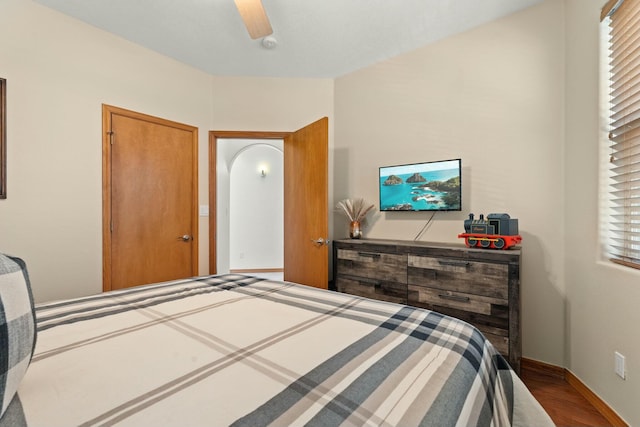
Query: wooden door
x=150 y=222
x=306 y=230
x=306 y=212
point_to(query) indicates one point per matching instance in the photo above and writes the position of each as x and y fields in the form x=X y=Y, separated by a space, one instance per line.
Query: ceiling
x=315 y=38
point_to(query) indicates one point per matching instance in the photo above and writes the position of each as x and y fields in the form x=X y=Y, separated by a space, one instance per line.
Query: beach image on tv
x=420 y=187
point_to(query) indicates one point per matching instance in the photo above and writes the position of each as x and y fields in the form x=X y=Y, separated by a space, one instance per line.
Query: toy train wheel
x=499 y=244
x=485 y=243
x=471 y=242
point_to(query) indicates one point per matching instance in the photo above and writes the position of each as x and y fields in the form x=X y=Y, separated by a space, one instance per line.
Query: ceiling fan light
x=269 y=42
x=254 y=17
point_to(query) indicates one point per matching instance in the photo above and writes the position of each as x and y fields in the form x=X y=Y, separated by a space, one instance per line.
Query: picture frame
x=3 y=138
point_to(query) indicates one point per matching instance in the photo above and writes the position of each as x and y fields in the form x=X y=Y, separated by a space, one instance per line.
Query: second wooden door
x=150 y=199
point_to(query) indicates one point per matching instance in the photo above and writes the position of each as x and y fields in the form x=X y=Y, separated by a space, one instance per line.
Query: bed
x=244 y=351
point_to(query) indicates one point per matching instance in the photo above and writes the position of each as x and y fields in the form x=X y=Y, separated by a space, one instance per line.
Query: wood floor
x=563 y=403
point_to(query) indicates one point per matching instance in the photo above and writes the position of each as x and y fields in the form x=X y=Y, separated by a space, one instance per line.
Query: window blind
x=622 y=20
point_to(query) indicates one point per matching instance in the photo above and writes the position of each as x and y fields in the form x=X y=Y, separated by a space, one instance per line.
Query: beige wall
x=59 y=73
x=602 y=314
x=492 y=96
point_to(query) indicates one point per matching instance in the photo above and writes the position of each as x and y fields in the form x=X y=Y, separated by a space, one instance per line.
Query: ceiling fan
x=254 y=17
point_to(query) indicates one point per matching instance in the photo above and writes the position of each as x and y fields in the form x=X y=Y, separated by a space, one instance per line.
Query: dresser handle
x=368 y=254
x=454 y=298
x=454 y=263
x=373 y=282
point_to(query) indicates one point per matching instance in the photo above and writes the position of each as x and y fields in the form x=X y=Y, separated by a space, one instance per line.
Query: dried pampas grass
x=355 y=210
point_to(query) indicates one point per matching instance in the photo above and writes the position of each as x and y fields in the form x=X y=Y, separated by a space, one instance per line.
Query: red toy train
x=498 y=231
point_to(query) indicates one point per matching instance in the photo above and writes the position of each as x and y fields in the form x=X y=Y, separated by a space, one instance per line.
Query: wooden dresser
x=480 y=286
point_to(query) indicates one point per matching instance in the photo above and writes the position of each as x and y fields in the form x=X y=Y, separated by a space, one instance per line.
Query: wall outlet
x=619 y=368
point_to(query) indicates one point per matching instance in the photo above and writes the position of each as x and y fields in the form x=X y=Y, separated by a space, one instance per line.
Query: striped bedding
x=238 y=350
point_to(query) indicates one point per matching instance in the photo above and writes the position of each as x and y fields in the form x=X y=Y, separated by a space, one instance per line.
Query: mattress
x=243 y=351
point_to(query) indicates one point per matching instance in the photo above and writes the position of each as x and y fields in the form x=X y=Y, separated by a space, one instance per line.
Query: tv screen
x=428 y=186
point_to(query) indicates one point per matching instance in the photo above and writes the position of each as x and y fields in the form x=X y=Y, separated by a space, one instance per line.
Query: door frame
x=107 y=135
x=213 y=205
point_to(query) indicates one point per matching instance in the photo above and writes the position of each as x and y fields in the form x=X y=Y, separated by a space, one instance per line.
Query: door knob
x=320 y=241
x=184 y=238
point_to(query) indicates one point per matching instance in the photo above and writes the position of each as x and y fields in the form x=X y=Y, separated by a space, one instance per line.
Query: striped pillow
x=17 y=327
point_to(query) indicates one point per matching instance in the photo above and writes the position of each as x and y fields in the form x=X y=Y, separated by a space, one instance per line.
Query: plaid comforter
x=237 y=350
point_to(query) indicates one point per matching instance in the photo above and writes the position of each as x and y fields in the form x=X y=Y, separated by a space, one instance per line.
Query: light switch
x=204 y=210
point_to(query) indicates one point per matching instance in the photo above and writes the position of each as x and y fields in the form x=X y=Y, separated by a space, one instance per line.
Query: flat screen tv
x=428 y=186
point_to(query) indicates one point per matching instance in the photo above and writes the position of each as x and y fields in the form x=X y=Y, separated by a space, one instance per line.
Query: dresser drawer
x=373 y=288
x=459 y=275
x=459 y=300
x=374 y=265
x=494 y=326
